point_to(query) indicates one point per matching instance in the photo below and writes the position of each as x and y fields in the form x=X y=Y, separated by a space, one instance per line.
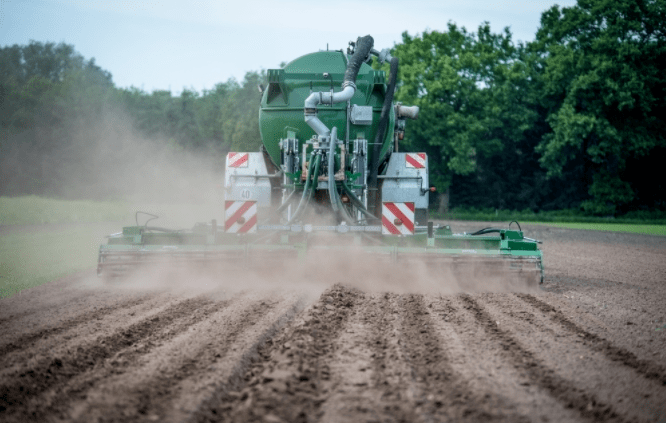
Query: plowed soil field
x=588 y=345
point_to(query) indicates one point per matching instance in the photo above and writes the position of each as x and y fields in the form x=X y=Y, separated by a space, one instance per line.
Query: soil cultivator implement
x=329 y=179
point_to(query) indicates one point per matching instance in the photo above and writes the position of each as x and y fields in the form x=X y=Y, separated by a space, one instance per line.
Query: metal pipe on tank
x=314 y=99
x=364 y=46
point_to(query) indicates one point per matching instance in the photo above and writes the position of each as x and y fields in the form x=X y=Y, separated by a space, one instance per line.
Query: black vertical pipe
x=381 y=132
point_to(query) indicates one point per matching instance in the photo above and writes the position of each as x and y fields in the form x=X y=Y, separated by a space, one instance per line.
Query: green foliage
x=479 y=121
x=444 y=74
x=571 y=121
x=574 y=119
x=47 y=91
x=603 y=87
x=63 y=120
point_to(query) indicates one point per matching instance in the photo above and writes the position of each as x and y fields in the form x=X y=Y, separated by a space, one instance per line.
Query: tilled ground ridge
x=648 y=369
x=287 y=382
x=570 y=395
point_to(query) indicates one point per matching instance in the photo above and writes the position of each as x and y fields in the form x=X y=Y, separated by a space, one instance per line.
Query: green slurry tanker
x=328 y=179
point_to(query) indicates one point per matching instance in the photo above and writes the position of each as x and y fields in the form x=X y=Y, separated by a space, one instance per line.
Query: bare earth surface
x=588 y=345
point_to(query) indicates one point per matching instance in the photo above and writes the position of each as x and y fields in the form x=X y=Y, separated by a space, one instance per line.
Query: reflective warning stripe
x=397 y=218
x=388 y=228
x=415 y=160
x=237 y=159
x=240 y=217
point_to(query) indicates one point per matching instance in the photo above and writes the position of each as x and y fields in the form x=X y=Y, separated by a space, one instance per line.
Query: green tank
x=281 y=110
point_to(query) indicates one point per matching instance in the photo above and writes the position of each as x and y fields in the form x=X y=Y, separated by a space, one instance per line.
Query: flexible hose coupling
x=346 y=84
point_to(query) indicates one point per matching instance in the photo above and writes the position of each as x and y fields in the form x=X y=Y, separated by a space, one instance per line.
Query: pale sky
x=170 y=44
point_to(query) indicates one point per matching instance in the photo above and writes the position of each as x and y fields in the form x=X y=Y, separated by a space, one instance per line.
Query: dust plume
x=321 y=270
x=102 y=155
x=108 y=157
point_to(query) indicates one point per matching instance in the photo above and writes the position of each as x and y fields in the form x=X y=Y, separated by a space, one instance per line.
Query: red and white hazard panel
x=237 y=159
x=240 y=217
x=397 y=218
x=415 y=160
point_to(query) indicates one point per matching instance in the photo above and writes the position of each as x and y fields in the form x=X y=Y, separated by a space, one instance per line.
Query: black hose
x=486 y=231
x=159 y=229
x=136 y=217
x=383 y=123
x=363 y=47
x=357 y=202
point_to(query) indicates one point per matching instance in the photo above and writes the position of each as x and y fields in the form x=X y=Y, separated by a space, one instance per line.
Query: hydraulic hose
x=363 y=47
x=332 y=190
x=336 y=202
x=486 y=231
x=357 y=202
x=383 y=123
x=286 y=202
x=307 y=190
x=345 y=214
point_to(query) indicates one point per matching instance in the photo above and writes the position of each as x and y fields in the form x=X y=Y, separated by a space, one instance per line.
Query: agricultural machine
x=328 y=178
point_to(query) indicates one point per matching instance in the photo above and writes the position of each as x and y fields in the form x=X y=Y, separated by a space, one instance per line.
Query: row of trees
x=573 y=119
x=66 y=130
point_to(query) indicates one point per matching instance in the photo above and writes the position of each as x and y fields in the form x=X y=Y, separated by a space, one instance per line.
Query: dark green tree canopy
x=603 y=84
x=61 y=117
x=477 y=114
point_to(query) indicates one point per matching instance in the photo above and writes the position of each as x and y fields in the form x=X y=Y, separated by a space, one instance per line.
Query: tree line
x=63 y=121
x=573 y=119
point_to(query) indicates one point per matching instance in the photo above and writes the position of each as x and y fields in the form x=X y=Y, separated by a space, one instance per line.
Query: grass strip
x=655 y=217
x=658 y=230
x=37 y=210
x=29 y=259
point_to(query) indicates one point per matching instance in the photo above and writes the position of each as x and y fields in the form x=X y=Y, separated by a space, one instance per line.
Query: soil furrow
x=563 y=390
x=571 y=357
x=171 y=347
x=389 y=366
x=152 y=402
x=482 y=362
x=230 y=378
x=64 y=292
x=290 y=378
x=367 y=370
x=440 y=392
x=26 y=341
x=647 y=369
x=49 y=376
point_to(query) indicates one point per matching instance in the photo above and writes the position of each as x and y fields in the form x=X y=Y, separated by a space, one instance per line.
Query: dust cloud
x=153 y=174
x=102 y=155
x=109 y=158
x=320 y=271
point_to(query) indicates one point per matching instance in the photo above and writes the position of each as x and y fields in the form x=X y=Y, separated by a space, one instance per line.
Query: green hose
x=307 y=190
